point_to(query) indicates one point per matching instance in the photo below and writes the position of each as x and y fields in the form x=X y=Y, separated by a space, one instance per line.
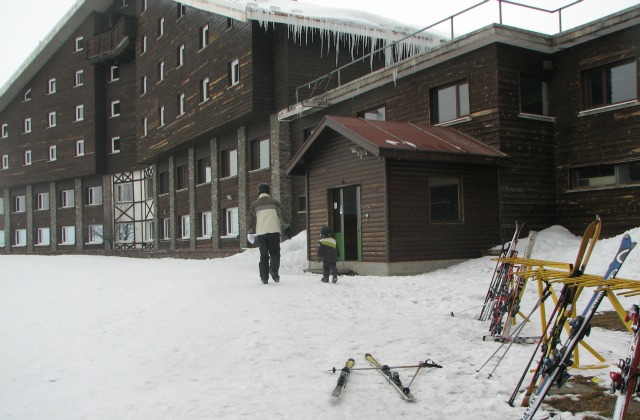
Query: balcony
x=117 y=45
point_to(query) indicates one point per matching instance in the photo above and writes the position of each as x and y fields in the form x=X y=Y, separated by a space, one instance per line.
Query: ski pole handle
x=430 y=363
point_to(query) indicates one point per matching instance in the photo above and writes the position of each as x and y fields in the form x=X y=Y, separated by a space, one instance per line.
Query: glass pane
x=622 y=83
x=264 y=154
x=447 y=104
x=444 y=199
x=463 y=100
x=531 y=96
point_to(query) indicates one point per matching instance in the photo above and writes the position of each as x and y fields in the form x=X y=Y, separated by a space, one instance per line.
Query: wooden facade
x=169 y=93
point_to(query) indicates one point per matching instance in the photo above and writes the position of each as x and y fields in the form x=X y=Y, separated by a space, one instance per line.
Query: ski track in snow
x=105 y=337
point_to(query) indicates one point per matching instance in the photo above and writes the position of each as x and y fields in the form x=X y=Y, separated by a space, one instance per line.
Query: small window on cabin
x=609 y=85
x=143 y=85
x=180 y=56
x=51 y=87
x=203 y=170
x=42 y=201
x=182 y=177
x=115 y=108
x=450 y=102
x=143 y=6
x=533 y=96
x=181 y=9
x=185 y=227
x=259 y=154
x=163 y=182
x=143 y=44
x=53 y=153
x=145 y=126
x=205 y=228
x=5 y=161
x=52 y=119
x=5 y=130
x=115 y=145
x=79 y=45
x=230 y=225
x=27 y=125
x=377 y=114
x=204 y=90
x=234 y=72
x=115 y=73
x=79 y=78
x=125 y=232
x=612 y=175
x=96 y=234
x=93 y=196
x=229 y=162
x=161 y=115
x=204 y=36
x=79 y=148
x=27 y=95
x=79 y=113
x=181 y=104
x=44 y=236
x=160 y=27
x=161 y=71
x=67 y=199
x=229 y=23
x=302 y=203
x=444 y=200
x=27 y=157
x=166 y=228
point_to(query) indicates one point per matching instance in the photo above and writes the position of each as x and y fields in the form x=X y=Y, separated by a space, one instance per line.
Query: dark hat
x=263 y=187
x=325 y=231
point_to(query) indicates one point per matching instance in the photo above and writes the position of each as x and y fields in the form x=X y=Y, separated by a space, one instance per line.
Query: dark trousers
x=269 y=255
x=329 y=268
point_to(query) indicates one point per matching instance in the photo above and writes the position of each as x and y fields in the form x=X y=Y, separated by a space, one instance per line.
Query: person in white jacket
x=265 y=220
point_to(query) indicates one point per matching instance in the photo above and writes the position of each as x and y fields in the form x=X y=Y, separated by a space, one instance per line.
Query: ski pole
x=427 y=363
x=475 y=307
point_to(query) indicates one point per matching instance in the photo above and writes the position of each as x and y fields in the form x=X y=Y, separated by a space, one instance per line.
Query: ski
x=516 y=340
x=342 y=380
x=557 y=361
x=501 y=273
x=391 y=376
x=625 y=382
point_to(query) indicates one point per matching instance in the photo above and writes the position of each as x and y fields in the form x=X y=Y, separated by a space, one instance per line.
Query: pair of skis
x=625 y=382
x=556 y=361
x=392 y=377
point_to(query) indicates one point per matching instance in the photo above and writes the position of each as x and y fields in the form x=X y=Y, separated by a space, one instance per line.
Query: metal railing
x=324 y=83
x=106 y=44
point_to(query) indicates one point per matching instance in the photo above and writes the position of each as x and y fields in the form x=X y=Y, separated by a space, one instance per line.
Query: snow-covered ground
x=84 y=337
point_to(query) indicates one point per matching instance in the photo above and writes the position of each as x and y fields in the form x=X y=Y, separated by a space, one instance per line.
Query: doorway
x=344 y=220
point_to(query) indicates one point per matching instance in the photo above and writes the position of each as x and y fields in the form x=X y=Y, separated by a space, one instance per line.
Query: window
x=610 y=84
x=204 y=36
x=145 y=126
x=161 y=115
x=163 y=182
x=185 y=227
x=27 y=95
x=234 y=72
x=149 y=228
x=93 y=196
x=53 y=153
x=20 y=237
x=203 y=170
x=19 y=204
x=181 y=104
x=27 y=157
x=52 y=86
x=42 y=201
x=143 y=6
x=180 y=56
x=377 y=114
x=606 y=175
x=180 y=10
x=68 y=235
x=533 y=96
x=166 y=229
x=230 y=222
x=229 y=163
x=79 y=112
x=53 y=119
x=205 y=224
x=444 y=199
x=67 y=199
x=182 y=177
x=229 y=23
x=115 y=145
x=204 y=90
x=1 y=205
x=143 y=44
x=259 y=154
x=2 y=238
x=161 y=71
x=124 y=192
x=79 y=43
x=115 y=73
x=96 y=234
x=160 y=27
x=302 y=203
x=44 y=236
x=148 y=187
x=124 y=232
x=80 y=148
x=143 y=85
x=5 y=161
x=79 y=78
x=115 y=108
x=5 y=131
x=27 y=125
x=451 y=102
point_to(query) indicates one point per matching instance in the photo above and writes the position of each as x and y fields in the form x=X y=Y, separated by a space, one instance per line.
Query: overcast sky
x=24 y=23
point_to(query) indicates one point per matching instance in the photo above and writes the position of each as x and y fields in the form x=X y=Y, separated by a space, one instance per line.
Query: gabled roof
x=399 y=140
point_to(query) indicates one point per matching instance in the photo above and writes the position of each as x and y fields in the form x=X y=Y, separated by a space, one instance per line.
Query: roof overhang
x=398 y=140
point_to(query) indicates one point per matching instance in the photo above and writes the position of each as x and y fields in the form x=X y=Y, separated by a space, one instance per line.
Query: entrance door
x=345 y=221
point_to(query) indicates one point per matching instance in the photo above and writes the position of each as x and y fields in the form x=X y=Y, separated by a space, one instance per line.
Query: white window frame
x=27 y=125
x=143 y=45
x=115 y=144
x=161 y=27
x=43 y=236
x=145 y=126
x=96 y=234
x=68 y=235
x=79 y=148
x=204 y=36
x=79 y=113
x=53 y=153
x=181 y=105
x=27 y=157
x=94 y=196
x=19 y=204
x=180 y=55
x=161 y=114
x=166 y=228
x=52 y=86
x=149 y=231
x=52 y=119
x=20 y=237
x=263 y=154
x=5 y=161
x=123 y=192
x=27 y=95
x=115 y=108
x=143 y=6
x=206 y=227
x=42 y=201
x=204 y=90
x=231 y=222
x=143 y=85
x=5 y=130
x=67 y=199
x=79 y=43
x=234 y=72
x=160 y=71
x=79 y=78
x=115 y=73
x=185 y=227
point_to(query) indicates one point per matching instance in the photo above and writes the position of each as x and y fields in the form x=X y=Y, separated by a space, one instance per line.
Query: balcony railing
x=117 y=44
